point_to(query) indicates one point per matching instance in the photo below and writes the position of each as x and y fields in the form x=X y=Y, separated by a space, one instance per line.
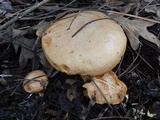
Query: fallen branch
x=20 y=15
x=138 y=17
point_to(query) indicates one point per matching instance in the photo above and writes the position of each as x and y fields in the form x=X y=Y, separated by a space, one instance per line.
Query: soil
x=21 y=52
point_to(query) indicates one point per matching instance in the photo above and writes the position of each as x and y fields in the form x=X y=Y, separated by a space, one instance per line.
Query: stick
x=139 y=17
x=22 y=14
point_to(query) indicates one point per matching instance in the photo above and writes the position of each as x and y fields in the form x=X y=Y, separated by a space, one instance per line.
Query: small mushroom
x=90 y=44
x=35 y=81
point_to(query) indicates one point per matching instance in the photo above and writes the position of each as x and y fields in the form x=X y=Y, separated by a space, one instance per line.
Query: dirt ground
x=21 y=26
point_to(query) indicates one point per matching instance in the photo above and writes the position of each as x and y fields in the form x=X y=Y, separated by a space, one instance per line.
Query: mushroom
x=90 y=44
x=110 y=89
x=35 y=81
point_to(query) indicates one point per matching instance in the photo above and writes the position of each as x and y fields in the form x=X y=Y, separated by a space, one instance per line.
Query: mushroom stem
x=106 y=88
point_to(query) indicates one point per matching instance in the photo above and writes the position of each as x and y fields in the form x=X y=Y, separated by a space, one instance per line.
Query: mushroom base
x=106 y=88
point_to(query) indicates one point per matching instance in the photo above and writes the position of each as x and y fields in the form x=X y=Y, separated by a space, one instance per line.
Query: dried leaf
x=66 y=117
x=149 y=1
x=24 y=56
x=136 y=28
x=3 y=81
x=16 y=32
x=26 y=52
x=43 y=59
x=154 y=9
x=106 y=88
x=56 y=7
x=71 y=81
x=2 y=12
x=6 y=4
x=72 y=92
x=40 y=27
x=154 y=110
x=52 y=112
x=64 y=102
x=113 y=3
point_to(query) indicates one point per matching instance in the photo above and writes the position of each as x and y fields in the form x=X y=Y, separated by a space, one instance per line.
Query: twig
x=142 y=18
x=73 y=20
x=112 y=117
x=5 y=75
x=130 y=66
x=22 y=14
x=57 y=9
x=102 y=94
x=87 y=24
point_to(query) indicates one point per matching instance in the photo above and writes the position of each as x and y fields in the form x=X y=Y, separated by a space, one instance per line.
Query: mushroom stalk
x=106 y=88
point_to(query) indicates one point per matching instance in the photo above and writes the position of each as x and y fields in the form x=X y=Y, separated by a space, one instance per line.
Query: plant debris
x=22 y=23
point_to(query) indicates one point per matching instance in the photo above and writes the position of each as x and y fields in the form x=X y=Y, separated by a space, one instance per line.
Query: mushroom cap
x=35 y=81
x=96 y=48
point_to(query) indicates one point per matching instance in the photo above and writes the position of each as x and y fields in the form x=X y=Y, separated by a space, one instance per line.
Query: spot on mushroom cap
x=95 y=49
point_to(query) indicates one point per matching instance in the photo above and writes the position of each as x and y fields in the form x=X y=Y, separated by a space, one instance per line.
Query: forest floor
x=21 y=25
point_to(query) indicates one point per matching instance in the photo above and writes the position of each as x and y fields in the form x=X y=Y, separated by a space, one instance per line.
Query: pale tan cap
x=94 y=50
x=35 y=81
